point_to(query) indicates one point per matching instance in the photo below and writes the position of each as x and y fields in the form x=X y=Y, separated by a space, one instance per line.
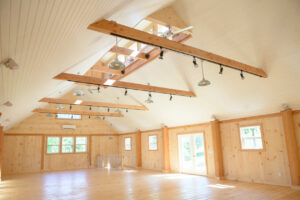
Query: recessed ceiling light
x=109 y=82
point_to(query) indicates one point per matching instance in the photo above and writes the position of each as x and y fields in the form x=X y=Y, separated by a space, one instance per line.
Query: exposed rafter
x=75 y=112
x=121 y=84
x=92 y=103
x=112 y=28
x=128 y=52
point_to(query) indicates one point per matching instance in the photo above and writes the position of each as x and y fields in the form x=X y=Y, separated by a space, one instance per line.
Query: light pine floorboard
x=98 y=184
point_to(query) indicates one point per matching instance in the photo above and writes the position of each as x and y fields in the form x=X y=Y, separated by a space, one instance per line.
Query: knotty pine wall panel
x=152 y=159
x=268 y=166
x=128 y=157
x=21 y=154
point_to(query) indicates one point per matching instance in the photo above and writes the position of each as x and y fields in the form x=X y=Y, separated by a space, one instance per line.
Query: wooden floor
x=131 y=184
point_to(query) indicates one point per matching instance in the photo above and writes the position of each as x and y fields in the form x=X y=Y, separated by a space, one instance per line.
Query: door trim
x=205 y=149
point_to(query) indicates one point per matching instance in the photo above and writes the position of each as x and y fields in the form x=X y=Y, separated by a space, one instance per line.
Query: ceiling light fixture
x=161 y=54
x=90 y=108
x=242 y=75
x=149 y=99
x=171 y=97
x=118 y=111
x=78 y=93
x=195 y=62
x=221 y=69
x=103 y=118
x=126 y=92
x=70 y=107
x=107 y=109
x=11 y=64
x=203 y=82
x=60 y=107
x=127 y=110
x=116 y=64
x=98 y=89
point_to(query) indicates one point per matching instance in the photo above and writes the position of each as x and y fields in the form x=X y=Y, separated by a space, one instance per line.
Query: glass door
x=192 y=154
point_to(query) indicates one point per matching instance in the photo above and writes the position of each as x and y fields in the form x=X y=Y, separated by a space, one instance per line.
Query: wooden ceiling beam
x=75 y=112
x=99 y=67
x=112 y=28
x=128 y=52
x=92 y=103
x=121 y=84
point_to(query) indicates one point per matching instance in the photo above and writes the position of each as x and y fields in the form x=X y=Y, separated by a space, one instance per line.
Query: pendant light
x=116 y=64
x=149 y=99
x=203 y=82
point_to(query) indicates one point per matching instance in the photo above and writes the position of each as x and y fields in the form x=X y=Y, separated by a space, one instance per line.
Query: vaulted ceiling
x=49 y=37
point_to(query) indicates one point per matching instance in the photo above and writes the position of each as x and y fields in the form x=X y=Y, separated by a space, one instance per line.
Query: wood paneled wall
x=128 y=157
x=104 y=146
x=267 y=166
x=40 y=123
x=23 y=154
x=152 y=159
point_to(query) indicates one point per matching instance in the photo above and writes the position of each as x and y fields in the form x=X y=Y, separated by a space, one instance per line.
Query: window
x=128 y=143
x=67 y=116
x=53 y=144
x=81 y=144
x=67 y=144
x=251 y=137
x=152 y=142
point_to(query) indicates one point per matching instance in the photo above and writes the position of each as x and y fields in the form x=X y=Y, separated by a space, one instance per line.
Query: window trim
x=262 y=137
x=130 y=143
x=60 y=144
x=87 y=141
x=67 y=119
x=74 y=137
x=156 y=143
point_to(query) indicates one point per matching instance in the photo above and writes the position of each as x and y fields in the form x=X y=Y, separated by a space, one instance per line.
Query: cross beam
x=121 y=84
x=75 y=112
x=112 y=28
x=92 y=103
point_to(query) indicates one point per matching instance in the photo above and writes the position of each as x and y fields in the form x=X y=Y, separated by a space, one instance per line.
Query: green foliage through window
x=53 y=144
x=81 y=144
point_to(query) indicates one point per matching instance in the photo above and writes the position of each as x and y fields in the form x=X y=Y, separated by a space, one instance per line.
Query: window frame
x=261 y=133
x=60 y=144
x=75 y=143
x=130 y=144
x=67 y=114
x=73 y=137
x=156 y=143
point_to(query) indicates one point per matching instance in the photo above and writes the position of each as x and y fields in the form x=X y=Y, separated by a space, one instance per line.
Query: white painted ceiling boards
x=48 y=37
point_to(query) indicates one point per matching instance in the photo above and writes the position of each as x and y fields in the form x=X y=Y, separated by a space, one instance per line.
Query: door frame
x=205 y=149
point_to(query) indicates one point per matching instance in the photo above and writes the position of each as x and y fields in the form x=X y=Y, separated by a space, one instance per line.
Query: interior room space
x=160 y=99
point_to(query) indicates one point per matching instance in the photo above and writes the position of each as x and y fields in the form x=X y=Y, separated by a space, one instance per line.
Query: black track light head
x=90 y=107
x=123 y=71
x=89 y=116
x=125 y=92
x=70 y=107
x=107 y=109
x=98 y=88
x=103 y=118
x=127 y=110
x=221 y=69
x=195 y=62
x=161 y=54
x=242 y=75
x=171 y=97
